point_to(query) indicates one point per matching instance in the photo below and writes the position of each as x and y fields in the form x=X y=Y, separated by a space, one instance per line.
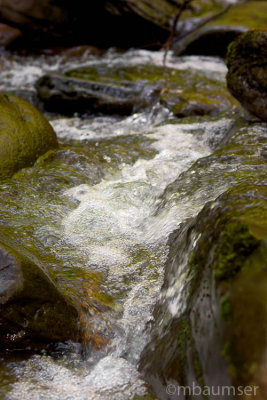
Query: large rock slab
x=211 y=322
x=214 y=37
x=32 y=310
x=247 y=71
x=67 y=22
x=126 y=89
x=24 y=135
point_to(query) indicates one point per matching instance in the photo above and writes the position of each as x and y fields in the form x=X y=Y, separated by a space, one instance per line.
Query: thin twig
x=167 y=45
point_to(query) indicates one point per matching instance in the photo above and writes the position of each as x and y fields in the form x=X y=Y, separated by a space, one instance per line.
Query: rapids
x=97 y=207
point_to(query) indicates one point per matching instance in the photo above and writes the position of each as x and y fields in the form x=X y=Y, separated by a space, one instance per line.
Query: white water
x=113 y=221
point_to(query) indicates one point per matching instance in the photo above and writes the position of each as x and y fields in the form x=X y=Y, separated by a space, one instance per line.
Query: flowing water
x=94 y=212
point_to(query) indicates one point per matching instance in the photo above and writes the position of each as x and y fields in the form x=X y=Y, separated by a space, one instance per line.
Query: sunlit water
x=109 y=222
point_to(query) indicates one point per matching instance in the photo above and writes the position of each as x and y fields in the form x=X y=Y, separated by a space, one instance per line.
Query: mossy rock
x=221 y=257
x=24 y=135
x=32 y=310
x=123 y=90
x=233 y=246
x=247 y=71
x=214 y=37
x=212 y=100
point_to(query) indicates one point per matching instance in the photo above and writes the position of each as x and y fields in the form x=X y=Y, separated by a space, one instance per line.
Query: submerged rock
x=247 y=71
x=211 y=323
x=32 y=310
x=214 y=37
x=212 y=100
x=69 y=95
x=123 y=90
x=24 y=135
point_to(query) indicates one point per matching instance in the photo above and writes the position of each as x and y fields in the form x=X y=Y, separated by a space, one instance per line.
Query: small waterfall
x=100 y=212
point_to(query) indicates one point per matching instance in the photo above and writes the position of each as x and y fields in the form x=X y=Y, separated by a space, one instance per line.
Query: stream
x=99 y=214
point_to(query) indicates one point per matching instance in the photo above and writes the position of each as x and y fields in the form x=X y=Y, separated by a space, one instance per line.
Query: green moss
x=226 y=309
x=203 y=8
x=235 y=244
x=251 y=14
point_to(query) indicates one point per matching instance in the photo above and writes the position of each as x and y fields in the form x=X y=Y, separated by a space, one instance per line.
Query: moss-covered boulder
x=126 y=89
x=214 y=37
x=24 y=135
x=32 y=310
x=211 y=100
x=247 y=71
x=211 y=324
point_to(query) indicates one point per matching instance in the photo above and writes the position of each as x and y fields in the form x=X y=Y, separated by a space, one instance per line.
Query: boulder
x=32 y=310
x=210 y=100
x=67 y=22
x=123 y=90
x=67 y=94
x=211 y=322
x=247 y=71
x=24 y=135
x=214 y=37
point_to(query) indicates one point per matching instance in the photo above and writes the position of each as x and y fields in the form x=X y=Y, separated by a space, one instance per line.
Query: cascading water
x=96 y=209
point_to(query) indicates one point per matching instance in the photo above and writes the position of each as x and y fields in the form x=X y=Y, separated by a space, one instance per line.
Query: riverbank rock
x=247 y=71
x=214 y=37
x=24 y=135
x=8 y=34
x=32 y=310
x=210 y=330
x=48 y=22
x=126 y=89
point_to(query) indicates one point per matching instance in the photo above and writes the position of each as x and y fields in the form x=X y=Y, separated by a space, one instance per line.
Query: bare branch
x=181 y=7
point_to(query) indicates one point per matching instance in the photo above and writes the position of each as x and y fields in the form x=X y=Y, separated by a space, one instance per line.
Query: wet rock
x=205 y=327
x=32 y=310
x=69 y=95
x=8 y=35
x=247 y=71
x=123 y=90
x=24 y=135
x=206 y=101
x=214 y=37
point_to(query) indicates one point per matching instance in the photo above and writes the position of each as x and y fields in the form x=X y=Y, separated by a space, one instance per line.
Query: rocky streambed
x=143 y=233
